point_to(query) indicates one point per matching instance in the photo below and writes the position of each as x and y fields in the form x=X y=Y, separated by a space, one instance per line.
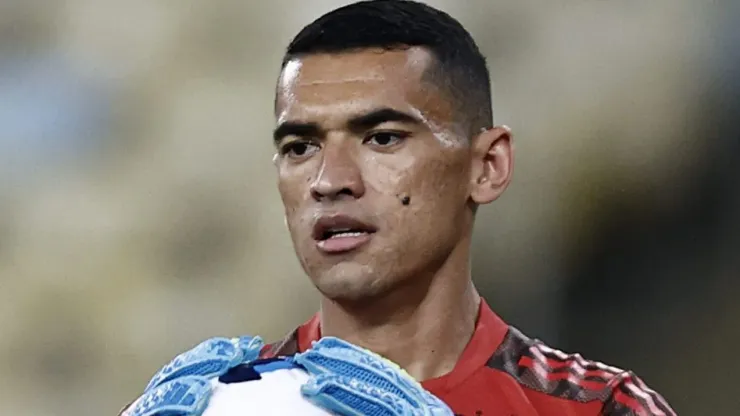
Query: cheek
x=293 y=189
x=387 y=176
x=291 y=193
x=420 y=180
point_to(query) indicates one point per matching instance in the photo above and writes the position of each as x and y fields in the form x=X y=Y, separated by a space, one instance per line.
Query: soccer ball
x=263 y=387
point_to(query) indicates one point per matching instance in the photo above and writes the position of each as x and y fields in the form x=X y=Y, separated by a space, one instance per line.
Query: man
x=385 y=150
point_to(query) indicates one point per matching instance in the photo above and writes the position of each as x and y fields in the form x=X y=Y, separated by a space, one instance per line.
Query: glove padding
x=352 y=381
x=183 y=386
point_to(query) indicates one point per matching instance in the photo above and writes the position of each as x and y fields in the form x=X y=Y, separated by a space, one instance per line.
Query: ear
x=492 y=164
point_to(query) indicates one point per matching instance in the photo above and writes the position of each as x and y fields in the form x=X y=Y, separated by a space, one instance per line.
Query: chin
x=349 y=283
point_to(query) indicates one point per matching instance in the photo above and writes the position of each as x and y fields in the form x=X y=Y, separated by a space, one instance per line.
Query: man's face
x=373 y=170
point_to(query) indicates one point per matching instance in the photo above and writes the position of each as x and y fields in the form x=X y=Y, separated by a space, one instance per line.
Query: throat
x=426 y=339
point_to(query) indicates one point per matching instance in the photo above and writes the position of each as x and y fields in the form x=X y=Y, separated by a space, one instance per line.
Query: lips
x=340 y=233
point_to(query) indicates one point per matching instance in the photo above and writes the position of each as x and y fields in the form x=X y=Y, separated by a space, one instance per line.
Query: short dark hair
x=460 y=69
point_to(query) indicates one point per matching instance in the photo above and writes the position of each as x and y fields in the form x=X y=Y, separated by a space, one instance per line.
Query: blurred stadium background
x=138 y=213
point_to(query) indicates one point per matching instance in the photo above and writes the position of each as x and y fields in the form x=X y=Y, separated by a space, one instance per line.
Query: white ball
x=270 y=388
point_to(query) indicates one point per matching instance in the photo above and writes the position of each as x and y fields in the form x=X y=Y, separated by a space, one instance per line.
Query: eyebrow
x=295 y=128
x=380 y=116
x=357 y=123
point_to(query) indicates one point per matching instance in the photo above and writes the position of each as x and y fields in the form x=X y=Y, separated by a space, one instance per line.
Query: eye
x=385 y=138
x=299 y=149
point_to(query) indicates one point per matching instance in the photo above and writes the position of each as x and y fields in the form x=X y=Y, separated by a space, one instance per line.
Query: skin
x=407 y=293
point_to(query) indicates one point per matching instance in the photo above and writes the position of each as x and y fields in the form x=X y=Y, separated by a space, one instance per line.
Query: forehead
x=336 y=85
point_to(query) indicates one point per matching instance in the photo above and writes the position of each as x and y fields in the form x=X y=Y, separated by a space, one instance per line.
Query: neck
x=424 y=333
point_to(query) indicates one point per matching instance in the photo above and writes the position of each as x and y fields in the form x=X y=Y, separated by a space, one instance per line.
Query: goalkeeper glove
x=183 y=386
x=352 y=381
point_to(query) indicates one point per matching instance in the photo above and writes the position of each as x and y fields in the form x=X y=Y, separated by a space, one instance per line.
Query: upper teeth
x=345 y=233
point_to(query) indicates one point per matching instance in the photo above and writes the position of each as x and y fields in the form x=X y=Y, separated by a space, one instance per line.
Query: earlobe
x=493 y=162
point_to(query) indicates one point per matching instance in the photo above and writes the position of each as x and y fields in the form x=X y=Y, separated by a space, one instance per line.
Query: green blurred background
x=138 y=212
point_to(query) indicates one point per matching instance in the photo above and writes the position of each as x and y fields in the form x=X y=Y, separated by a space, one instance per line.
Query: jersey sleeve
x=630 y=396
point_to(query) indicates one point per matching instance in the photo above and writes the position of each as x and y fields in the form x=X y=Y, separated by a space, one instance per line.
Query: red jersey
x=503 y=373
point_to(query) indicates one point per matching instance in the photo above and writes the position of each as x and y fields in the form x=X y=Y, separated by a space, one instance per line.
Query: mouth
x=340 y=234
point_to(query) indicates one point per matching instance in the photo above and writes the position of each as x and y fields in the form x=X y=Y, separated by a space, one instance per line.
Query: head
x=385 y=145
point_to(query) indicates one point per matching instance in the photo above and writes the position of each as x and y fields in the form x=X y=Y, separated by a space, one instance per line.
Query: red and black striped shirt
x=503 y=373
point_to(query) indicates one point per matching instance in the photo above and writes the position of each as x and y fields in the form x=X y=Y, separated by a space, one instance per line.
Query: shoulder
x=567 y=376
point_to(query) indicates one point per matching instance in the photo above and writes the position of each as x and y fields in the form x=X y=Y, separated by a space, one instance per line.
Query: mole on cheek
x=406 y=200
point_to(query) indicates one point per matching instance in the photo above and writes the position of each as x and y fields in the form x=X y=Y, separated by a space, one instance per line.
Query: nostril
x=319 y=194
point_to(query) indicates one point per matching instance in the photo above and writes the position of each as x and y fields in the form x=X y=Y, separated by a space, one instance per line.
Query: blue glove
x=351 y=381
x=183 y=387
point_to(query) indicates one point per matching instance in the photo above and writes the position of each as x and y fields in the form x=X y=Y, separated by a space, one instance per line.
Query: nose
x=339 y=175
